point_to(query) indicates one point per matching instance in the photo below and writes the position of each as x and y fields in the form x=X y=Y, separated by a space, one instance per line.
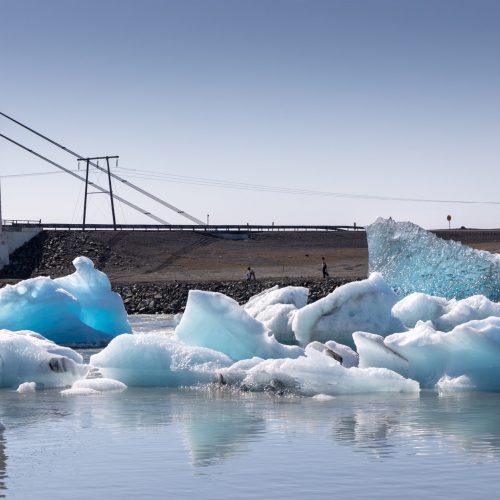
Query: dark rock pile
x=51 y=254
x=170 y=298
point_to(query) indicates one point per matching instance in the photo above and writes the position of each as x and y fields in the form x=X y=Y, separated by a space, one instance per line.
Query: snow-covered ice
x=80 y=309
x=412 y=259
x=217 y=322
x=26 y=358
x=362 y=305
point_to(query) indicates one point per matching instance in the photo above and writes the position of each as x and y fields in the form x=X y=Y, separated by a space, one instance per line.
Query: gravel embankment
x=170 y=298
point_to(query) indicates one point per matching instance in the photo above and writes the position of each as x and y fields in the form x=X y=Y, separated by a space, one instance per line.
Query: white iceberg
x=27 y=358
x=276 y=307
x=412 y=259
x=76 y=310
x=317 y=373
x=435 y=358
x=361 y=305
x=154 y=360
x=217 y=322
x=444 y=314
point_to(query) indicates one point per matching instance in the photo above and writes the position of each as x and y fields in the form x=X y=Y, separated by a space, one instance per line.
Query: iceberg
x=276 y=307
x=467 y=356
x=444 y=314
x=217 y=322
x=76 y=310
x=28 y=358
x=318 y=373
x=151 y=360
x=412 y=259
x=362 y=305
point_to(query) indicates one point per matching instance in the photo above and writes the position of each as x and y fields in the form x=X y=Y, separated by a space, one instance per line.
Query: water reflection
x=216 y=427
x=468 y=422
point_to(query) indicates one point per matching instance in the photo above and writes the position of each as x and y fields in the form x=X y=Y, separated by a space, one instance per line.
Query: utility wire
x=203 y=181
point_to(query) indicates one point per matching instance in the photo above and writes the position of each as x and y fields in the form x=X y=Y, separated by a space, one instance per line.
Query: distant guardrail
x=236 y=228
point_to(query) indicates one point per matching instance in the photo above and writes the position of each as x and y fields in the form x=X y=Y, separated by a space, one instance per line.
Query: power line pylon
x=87 y=163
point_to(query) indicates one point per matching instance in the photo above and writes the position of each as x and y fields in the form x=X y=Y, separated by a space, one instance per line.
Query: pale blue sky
x=380 y=97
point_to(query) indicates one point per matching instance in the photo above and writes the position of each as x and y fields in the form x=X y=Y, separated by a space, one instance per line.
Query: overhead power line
x=93 y=184
x=96 y=165
x=204 y=181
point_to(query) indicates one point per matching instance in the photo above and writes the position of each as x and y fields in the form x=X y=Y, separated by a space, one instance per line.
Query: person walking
x=250 y=274
x=324 y=268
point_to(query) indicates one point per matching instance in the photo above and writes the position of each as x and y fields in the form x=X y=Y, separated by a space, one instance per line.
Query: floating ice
x=217 y=322
x=154 y=360
x=92 y=386
x=25 y=358
x=362 y=305
x=75 y=310
x=276 y=307
x=27 y=387
x=318 y=373
x=431 y=357
x=444 y=314
x=414 y=260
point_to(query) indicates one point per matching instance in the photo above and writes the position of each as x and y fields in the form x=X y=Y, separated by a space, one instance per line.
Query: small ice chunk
x=362 y=305
x=100 y=384
x=458 y=384
x=27 y=387
x=217 y=322
x=323 y=397
x=349 y=357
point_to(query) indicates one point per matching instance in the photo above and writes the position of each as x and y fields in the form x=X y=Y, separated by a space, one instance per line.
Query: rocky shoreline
x=171 y=297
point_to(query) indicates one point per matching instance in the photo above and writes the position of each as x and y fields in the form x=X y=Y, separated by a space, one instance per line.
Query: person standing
x=324 y=268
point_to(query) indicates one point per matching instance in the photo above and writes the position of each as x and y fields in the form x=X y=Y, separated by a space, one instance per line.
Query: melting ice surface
x=80 y=309
x=412 y=259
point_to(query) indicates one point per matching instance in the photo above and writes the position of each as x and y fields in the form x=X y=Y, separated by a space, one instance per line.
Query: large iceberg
x=467 y=356
x=276 y=307
x=155 y=360
x=217 y=322
x=80 y=309
x=27 y=357
x=412 y=259
x=362 y=305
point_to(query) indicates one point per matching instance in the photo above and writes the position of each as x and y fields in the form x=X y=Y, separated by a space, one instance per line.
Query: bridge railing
x=19 y=224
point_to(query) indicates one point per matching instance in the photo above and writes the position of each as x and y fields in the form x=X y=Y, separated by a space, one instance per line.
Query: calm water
x=160 y=443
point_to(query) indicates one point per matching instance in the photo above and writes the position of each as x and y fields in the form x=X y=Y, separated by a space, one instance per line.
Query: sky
x=301 y=99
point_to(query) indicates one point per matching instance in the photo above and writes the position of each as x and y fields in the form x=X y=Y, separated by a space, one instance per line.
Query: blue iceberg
x=412 y=259
x=76 y=310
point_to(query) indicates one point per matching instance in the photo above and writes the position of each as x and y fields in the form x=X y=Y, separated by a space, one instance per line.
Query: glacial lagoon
x=221 y=444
